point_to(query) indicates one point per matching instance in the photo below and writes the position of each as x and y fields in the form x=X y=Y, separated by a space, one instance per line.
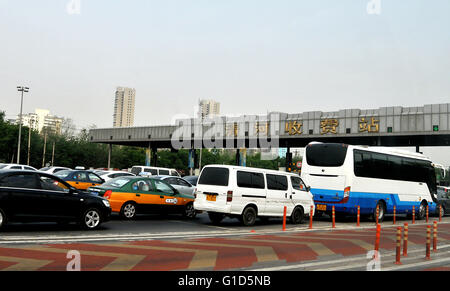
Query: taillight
x=107 y=194
x=229 y=196
x=346 y=192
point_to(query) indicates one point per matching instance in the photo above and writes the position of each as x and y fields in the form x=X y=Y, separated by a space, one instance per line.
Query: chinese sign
x=232 y=129
x=329 y=126
x=294 y=127
x=371 y=125
x=262 y=128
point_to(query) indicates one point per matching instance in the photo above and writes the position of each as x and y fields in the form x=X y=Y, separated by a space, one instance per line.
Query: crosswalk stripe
x=319 y=248
x=122 y=262
x=23 y=264
x=202 y=258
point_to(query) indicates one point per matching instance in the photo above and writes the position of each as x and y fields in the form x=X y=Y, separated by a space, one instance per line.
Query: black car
x=27 y=196
x=443 y=199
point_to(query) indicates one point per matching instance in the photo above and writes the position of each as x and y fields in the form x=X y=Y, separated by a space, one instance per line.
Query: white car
x=108 y=175
x=16 y=167
x=53 y=170
x=247 y=193
x=183 y=186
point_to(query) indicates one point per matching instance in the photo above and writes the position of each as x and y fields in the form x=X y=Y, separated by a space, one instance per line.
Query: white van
x=248 y=193
x=154 y=171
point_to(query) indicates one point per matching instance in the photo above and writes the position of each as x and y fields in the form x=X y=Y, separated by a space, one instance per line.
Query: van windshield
x=326 y=155
x=214 y=176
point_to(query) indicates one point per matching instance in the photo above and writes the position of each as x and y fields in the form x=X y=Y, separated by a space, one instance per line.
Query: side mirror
x=308 y=188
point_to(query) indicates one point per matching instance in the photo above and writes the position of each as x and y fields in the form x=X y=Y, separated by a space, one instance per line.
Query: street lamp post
x=20 y=89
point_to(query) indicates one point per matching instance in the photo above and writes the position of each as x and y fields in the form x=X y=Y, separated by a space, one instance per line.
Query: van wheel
x=248 y=217
x=297 y=215
x=216 y=218
x=128 y=210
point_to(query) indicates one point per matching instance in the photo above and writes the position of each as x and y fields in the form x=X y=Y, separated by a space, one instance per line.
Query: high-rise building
x=124 y=107
x=208 y=108
x=42 y=119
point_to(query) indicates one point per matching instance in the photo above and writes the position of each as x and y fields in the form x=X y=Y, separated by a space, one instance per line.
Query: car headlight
x=106 y=202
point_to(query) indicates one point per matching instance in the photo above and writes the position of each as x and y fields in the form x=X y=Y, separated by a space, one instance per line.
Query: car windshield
x=117 y=182
x=62 y=174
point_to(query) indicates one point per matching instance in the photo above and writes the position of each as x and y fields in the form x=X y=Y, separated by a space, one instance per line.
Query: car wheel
x=2 y=219
x=248 y=217
x=91 y=219
x=189 y=211
x=128 y=210
x=216 y=218
x=297 y=215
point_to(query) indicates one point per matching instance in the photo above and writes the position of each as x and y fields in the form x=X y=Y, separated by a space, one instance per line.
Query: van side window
x=136 y=170
x=250 y=180
x=164 y=172
x=277 y=182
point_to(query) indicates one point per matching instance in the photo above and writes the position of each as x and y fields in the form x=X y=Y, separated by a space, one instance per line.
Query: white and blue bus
x=347 y=176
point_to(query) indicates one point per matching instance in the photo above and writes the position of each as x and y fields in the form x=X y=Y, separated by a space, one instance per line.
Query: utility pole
x=53 y=153
x=45 y=144
x=29 y=141
x=20 y=89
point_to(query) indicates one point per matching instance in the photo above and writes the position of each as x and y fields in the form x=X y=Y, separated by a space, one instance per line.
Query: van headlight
x=106 y=202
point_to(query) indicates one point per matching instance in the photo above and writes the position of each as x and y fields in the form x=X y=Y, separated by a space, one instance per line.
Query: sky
x=253 y=56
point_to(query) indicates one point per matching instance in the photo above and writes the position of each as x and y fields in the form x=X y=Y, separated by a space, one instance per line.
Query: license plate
x=322 y=207
x=211 y=198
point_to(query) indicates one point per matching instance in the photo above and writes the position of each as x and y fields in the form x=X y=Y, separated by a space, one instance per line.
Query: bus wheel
x=422 y=211
x=381 y=213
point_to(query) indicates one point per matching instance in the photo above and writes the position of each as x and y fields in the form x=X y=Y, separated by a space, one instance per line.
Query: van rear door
x=213 y=185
